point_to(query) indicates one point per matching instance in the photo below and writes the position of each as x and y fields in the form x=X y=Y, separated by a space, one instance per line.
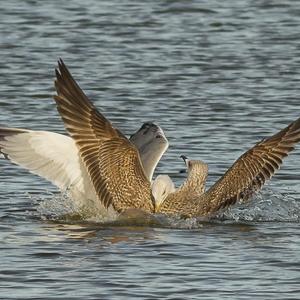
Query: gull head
x=149 y=134
x=195 y=167
x=152 y=143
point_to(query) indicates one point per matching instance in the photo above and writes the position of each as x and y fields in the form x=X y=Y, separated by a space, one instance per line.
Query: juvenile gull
x=114 y=166
x=246 y=176
x=56 y=158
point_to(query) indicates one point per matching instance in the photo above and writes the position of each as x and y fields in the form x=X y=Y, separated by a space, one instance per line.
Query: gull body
x=164 y=190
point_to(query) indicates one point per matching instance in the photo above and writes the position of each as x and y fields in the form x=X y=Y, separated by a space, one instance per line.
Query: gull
x=245 y=177
x=56 y=158
x=114 y=165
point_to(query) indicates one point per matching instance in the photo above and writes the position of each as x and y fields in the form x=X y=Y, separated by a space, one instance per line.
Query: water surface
x=218 y=77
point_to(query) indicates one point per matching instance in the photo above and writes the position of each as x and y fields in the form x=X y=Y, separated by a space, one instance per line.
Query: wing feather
x=52 y=156
x=252 y=169
x=112 y=161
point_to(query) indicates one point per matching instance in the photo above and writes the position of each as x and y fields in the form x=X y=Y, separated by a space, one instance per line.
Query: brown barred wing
x=112 y=161
x=251 y=170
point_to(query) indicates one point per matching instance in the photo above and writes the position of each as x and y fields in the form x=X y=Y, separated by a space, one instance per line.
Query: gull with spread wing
x=56 y=158
x=100 y=163
x=115 y=169
x=246 y=176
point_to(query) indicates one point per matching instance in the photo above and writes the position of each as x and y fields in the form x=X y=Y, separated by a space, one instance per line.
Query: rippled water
x=218 y=77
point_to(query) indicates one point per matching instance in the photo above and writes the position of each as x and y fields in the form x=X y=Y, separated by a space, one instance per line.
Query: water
x=218 y=77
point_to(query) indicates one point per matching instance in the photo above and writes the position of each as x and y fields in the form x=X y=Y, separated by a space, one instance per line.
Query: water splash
x=268 y=206
x=61 y=207
x=51 y=206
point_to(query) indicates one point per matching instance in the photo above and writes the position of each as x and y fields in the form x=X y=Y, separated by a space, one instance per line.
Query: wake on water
x=266 y=206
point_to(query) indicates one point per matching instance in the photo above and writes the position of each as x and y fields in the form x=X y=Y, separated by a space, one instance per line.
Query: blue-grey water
x=218 y=76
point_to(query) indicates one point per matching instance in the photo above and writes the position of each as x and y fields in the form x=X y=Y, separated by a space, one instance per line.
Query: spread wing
x=112 y=161
x=251 y=170
x=50 y=155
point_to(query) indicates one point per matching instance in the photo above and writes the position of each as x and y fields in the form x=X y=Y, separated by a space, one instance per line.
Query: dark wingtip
x=59 y=67
x=57 y=74
x=62 y=68
x=60 y=61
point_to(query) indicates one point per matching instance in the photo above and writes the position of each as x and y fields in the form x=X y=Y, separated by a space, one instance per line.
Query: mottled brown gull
x=114 y=166
x=246 y=176
x=56 y=158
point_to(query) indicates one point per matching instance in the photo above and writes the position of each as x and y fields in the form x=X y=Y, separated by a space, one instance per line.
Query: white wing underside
x=54 y=157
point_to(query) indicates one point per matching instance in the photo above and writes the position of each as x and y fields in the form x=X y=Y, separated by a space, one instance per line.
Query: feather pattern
x=247 y=175
x=192 y=188
x=112 y=161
